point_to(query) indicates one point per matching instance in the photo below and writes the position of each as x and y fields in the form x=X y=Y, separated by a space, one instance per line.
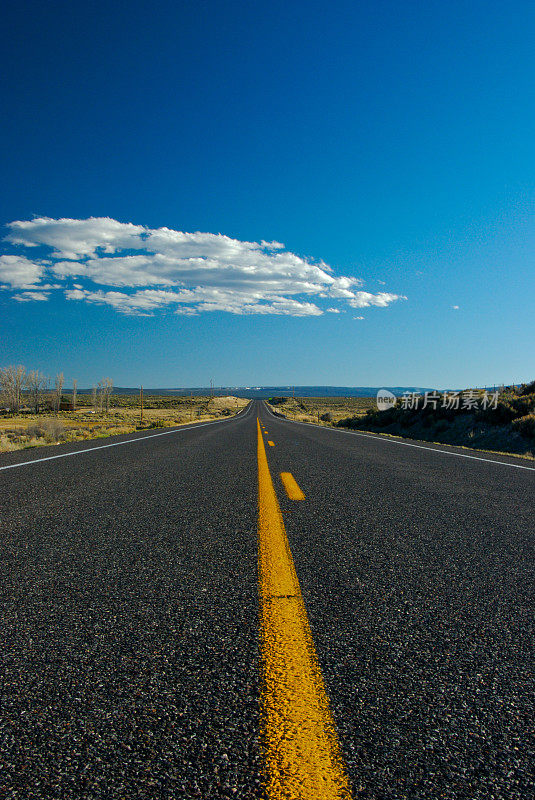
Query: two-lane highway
x=146 y=649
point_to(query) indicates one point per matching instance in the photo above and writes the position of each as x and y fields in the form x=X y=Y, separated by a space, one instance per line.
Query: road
x=136 y=636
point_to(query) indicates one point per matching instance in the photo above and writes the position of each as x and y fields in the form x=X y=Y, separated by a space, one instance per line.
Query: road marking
x=271 y=444
x=119 y=444
x=302 y=757
x=291 y=486
x=409 y=444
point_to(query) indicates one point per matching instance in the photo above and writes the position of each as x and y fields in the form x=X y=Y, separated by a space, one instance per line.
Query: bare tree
x=12 y=381
x=106 y=390
x=109 y=392
x=74 y=388
x=37 y=384
x=20 y=380
x=6 y=387
x=58 y=389
x=94 y=398
x=100 y=395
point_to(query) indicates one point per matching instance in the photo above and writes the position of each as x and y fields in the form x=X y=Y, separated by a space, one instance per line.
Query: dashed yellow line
x=271 y=444
x=302 y=758
x=291 y=486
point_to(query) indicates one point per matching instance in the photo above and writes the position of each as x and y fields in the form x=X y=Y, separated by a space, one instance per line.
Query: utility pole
x=141 y=397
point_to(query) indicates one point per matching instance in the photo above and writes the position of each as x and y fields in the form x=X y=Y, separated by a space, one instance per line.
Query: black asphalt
x=130 y=623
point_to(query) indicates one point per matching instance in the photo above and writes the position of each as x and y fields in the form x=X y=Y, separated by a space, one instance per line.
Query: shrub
x=7 y=445
x=527 y=388
x=327 y=417
x=54 y=430
x=525 y=425
x=13 y=431
x=35 y=431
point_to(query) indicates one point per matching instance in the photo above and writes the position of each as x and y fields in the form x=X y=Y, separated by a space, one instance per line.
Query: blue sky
x=389 y=146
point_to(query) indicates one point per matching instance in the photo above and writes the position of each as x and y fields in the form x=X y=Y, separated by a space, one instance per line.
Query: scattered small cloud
x=358 y=317
x=27 y=297
x=456 y=308
x=138 y=270
x=366 y=299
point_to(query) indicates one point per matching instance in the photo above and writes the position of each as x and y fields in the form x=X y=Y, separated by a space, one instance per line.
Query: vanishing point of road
x=257 y=608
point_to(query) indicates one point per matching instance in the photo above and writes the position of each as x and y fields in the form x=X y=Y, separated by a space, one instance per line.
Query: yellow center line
x=271 y=444
x=302 y=757
x=291 y=486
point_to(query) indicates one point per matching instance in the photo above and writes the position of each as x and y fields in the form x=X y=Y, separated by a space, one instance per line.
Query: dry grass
x=21 y=431
x=312 y=409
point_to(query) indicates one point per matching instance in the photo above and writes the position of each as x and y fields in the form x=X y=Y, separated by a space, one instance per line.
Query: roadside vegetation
x=322 y=410
x=509 y=427
x=35 y=411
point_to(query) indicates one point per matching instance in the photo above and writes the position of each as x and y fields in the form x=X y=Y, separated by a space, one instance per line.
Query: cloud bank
x=139 y=270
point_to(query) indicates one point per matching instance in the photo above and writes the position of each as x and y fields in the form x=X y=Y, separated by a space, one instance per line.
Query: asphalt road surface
x=130 y=637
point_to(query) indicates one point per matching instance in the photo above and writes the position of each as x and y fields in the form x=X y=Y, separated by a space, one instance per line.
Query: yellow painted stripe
x=291 y=486
x=302 y=758
x=271 y=444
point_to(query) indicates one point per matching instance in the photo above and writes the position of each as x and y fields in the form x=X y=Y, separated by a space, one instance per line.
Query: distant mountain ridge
x=267 y=391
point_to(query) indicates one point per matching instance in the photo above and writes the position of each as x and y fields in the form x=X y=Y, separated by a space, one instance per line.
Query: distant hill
x=267 y=391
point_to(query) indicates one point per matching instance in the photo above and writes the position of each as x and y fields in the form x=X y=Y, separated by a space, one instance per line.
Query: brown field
x=24 y=430
x=311 y=409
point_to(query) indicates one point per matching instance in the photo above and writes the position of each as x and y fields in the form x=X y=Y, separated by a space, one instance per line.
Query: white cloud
x=72 y=238
x=333 y=310
x=272 y=245
x=358 y=317
x=147 y=300
x=456 y=308
x=342 y=288
x=365 y=299
x=137 y=270
x=19 y=272
x=26 y=297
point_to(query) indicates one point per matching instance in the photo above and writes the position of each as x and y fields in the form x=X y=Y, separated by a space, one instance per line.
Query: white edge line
x=380 y=438
x=183 y=428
